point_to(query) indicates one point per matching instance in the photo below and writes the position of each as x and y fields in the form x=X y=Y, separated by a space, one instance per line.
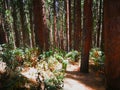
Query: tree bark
x=2 y=33
x=67 y=24
x=87 y=36
x=112 y=43
x=77 y=25
x=99 y=23
x=70 y=26
x=38 y=25
x=55 y=25
x=17 y=33
x=31 y=25
x=41 y=30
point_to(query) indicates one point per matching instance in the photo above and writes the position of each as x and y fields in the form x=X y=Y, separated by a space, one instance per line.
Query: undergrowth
x=47 y=68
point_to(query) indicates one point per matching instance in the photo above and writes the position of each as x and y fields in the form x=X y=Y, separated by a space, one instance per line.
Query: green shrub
x=98 y=57
x=51 y=65
x=73 y=55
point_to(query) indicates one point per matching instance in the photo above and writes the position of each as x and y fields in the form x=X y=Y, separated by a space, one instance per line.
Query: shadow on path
x=78 y=81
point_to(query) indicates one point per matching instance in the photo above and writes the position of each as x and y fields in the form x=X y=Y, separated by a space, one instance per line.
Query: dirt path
x=78 y=81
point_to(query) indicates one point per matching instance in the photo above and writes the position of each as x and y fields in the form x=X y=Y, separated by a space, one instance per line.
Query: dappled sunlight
x=78 y=81
x=30 y=74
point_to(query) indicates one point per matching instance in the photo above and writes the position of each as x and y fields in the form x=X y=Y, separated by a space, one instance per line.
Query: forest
x=40 y=40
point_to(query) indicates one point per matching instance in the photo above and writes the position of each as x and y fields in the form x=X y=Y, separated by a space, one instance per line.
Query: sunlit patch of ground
x=78 y=81
x=71 y=84
x=30 y=73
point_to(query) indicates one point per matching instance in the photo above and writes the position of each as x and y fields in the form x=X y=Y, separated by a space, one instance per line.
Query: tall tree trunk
x=67 y=24
x=77 y=27
x=70 y=26
x=5 y=22
x=41 y=30
x=61 y=38
x=14 y=15
x=31 y=25
x=45 y=28
x=112 y=43
x=38 y=25
x=87 y=36
x=95 y=22
x=102 y=29
x=99 y=23
x=46 y=34
x=62 y=34
x=55 y=24
x=2 y=33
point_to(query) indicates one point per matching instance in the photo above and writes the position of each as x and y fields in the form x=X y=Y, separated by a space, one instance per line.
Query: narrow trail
x=75 y=80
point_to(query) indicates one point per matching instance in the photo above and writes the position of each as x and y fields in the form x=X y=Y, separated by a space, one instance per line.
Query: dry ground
x=78 y=81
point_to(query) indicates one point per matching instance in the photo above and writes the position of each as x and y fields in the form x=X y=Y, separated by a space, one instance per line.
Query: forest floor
x=75 y=80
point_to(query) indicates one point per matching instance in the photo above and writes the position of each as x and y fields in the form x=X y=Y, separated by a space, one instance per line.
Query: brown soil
x=78 y=81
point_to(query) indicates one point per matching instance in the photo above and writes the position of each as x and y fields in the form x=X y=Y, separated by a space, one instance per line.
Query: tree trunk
x=38 y=25
x=99 y=23
x=112 y=43
x=17 y=33
x=55 y=25
x=87 y=36
x=41 y=30
x=77 y=25
x=102 y=30
x=31 y=25
x=67 y=24
x=61 y=38
x=5 y=22
x=45 y=28
x=2 y=33
x=62 y=34
x=70 y=26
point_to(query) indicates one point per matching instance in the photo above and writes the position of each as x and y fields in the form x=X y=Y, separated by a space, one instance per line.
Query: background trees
x=51 y=24
x=27 y=22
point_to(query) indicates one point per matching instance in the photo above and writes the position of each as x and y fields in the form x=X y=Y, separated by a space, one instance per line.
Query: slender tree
x=45 y=28
x=15 y=28
x=31 y=24
x=62 y=30
x=24 y=29
x=2 y=33
x=87 y=36
x=102 y=30
x=67 y=24
x=5 y=21
x=70 y=25
x=99 y=23
x=112 y=43
x=55 y=23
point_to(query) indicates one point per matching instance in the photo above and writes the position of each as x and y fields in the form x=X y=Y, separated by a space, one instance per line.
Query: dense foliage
x=44 y=35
